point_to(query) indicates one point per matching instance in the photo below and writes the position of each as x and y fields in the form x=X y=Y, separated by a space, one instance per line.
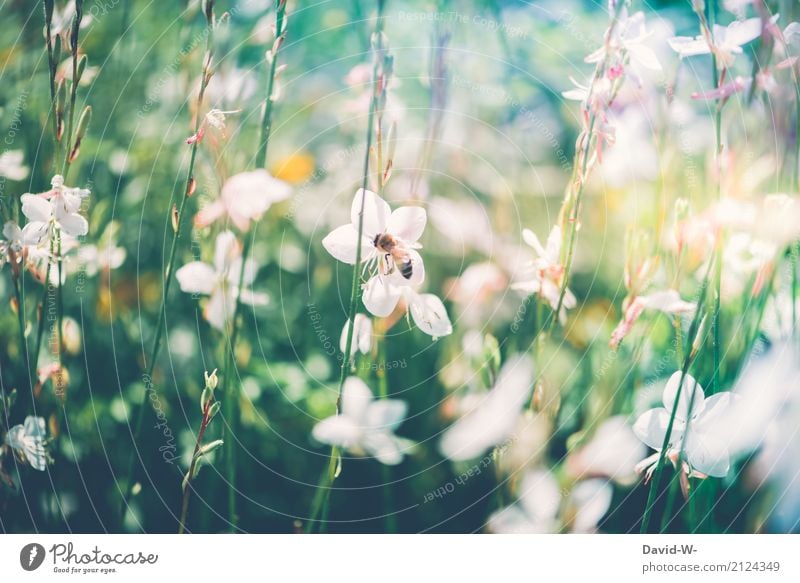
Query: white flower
x=101 y=258
x=428 y=313
x=536 y=511
x=629 y=35
x=11 y=247
x=389 y=239
x=547 y=272
x=389 y=244
x=244 y=197
x=216 y=118
x=56 y=209
x=493 y=420
x=666 y=301
x=12 y=165
x=613 y=452
x=365 y=427
x=728 y=40
x=220 y=281
x=705 y=445
x=362 y=335
x=28 y=442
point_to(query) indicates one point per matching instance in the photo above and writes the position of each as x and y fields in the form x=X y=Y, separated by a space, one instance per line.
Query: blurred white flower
x=727 y=40
x=56 y=209
x=365 y=427
x=547 y=272
x=705 y=444
x=11 y=246
x=244 y=197
x=612 y=452
x=101 y=258
x=540 y=498
x=27 y=441
x=629 y=35
x=767 y=422
x=221 y=280
x=493 y=419
x=12 y=165
x=362 y=335
x=666 y=301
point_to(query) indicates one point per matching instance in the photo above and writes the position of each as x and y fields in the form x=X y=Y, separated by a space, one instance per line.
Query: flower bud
x=212 y=381
x=80 y=68
x=175 y=219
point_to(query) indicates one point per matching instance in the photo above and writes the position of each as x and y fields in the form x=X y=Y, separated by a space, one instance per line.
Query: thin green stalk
x=667 y=517
x=334 y=464
x=656 y=480
x=386 y=471
x=168 y=273
x=76 y=24
x=570 y=213
x=231 y=392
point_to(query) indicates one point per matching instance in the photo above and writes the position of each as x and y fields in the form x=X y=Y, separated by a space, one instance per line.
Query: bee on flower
x=389 y=244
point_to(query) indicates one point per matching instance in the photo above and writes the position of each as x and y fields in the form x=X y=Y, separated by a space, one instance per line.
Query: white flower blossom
x=540 y=498
x=389 y=244
x=612 y=452
x=244 y=197
x=27 y=441
x=12 y=165
x=547 y=272
x=493 y=419
x=362 y=335
x=220 y=281
x=365 y=426
x=727 y=40
x=56 y=209
x=666 y=301
x=705 y=445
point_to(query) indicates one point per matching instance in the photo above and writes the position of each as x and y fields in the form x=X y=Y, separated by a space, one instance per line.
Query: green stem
x=386 y=471
x=168 y=277
x=570 y=213
x=231 y=392
x=73 y=94
x=656 y=480
x=334 y=460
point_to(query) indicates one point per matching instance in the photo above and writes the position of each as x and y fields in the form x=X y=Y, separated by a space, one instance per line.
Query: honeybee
x=395 y=255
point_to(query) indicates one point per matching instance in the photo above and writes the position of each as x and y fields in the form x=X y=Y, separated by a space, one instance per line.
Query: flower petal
x=356 y=398
x=540 y=496
x=385 y=414
x=691 y=396
x=73 y=225
x=376 y=213
x=592 y=499
x=219 y=309
x=429 y=314
x=35 y=232
x=384 y=447
x=407 y=223
x=707 y=453
x=226 y=251
x=651 y=427
x=196 y=278
x=341 y=243
x=337 y=430
x=380 y=297
x=36 y=208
